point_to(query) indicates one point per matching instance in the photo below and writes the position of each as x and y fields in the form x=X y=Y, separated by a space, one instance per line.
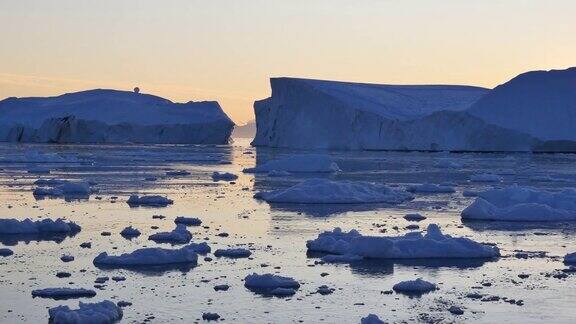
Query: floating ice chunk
x=180 y=235
x=63 y=293
x=485 y=177
x=4 y=252
x=417 y=286
x=430 y=188
x=149 y=257
x=268 y=282
x=301 y=163
x=517 y=204
x=414 y=217
x=188 y=221
x=28 y=226
x=570 y=258
x=64 y=188
x=233 y=253
x=178 y=173
x=371 y=319
x=200 y=248
x=67 y=258
x=105 y=312
x=322 y=191
x=130 y=232
x=155 y=201
x=223 y=176
x=210 y=316
x=413 y=245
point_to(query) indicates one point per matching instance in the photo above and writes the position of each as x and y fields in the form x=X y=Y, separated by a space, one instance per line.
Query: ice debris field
x=183 y=234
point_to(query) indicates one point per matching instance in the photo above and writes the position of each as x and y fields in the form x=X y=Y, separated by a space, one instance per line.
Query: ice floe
x=104 y=312
x=179 y=235
x=371 y=319
x=28 y=226
x=130 y=232
x=412 y=245
x=188 y=221
x=266 y=283
x=519 y=204
x=223 y=176
x=4 y=252
x=63 y=293
x=233 y=253
x=154 y=201
x=149 y=257
x=570 y=258
x=322 y=191
x=417 y=286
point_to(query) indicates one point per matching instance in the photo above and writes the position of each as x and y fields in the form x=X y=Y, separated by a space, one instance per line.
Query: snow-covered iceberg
x=104 y=312
x=412 y=245
x=322 y=191
x=112 y=116
x=520 y=204
x=314 y=114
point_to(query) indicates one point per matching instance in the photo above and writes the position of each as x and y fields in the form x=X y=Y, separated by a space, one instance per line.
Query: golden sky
x=226 y=50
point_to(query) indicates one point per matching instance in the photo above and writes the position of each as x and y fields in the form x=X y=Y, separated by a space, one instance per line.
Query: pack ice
x=412 y=245
x=532 y=112
x=112 y=116
x=517 y=204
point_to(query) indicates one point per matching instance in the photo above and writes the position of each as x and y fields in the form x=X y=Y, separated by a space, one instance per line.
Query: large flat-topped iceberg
x=312 y=114
x=539 y=103
x=112 y=116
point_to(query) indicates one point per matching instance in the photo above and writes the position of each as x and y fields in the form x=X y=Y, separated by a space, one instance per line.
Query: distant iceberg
x=535 y=111
x=112 y=116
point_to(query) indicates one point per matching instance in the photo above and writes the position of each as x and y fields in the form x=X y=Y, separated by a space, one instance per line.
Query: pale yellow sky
x=226 y=50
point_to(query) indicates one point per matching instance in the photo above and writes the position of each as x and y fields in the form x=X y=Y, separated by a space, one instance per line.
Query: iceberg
x=322 y=191
x=412 y=245
x=112 y=116
x=316 y=114
x=104 y=312
x=523 y=204
x=180 y=235
x=266 y=283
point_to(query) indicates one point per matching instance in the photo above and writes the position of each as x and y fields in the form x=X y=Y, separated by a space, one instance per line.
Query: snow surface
x=313 y=114
x=111 y=116
x=323 y=191
x=179 y=235
x=28 y=226
x=104 y=312
x=520 y=204
x=300 y=163
x=412 y=245
x=63 y=293
x=149 y=257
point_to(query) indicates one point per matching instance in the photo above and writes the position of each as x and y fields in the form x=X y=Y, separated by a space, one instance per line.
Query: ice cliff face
x=110 y=116
x=534 y=112
x=539 y=103
x=336 y=115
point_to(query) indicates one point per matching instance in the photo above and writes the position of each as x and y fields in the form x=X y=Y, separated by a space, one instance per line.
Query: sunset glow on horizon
x=227 y=50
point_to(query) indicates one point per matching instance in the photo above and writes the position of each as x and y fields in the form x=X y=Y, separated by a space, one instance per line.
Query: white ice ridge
x=521 y=204
x=322 y=191
x=104 y=312
x=412 y=245
x=28 y=226
x=112 y=116
x=298 y=163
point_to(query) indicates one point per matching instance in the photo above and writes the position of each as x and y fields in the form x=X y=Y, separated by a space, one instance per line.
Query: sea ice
x=371 y=319
x=155 y=201
x=63 y=293
x=268 y=282
x=233 y=253
x=104 y=312
x=223 y=176
x=180 y=235
x=188 y=221
x=148 y=257
x=28 y=226
x=417 y=286
x=130 y=232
